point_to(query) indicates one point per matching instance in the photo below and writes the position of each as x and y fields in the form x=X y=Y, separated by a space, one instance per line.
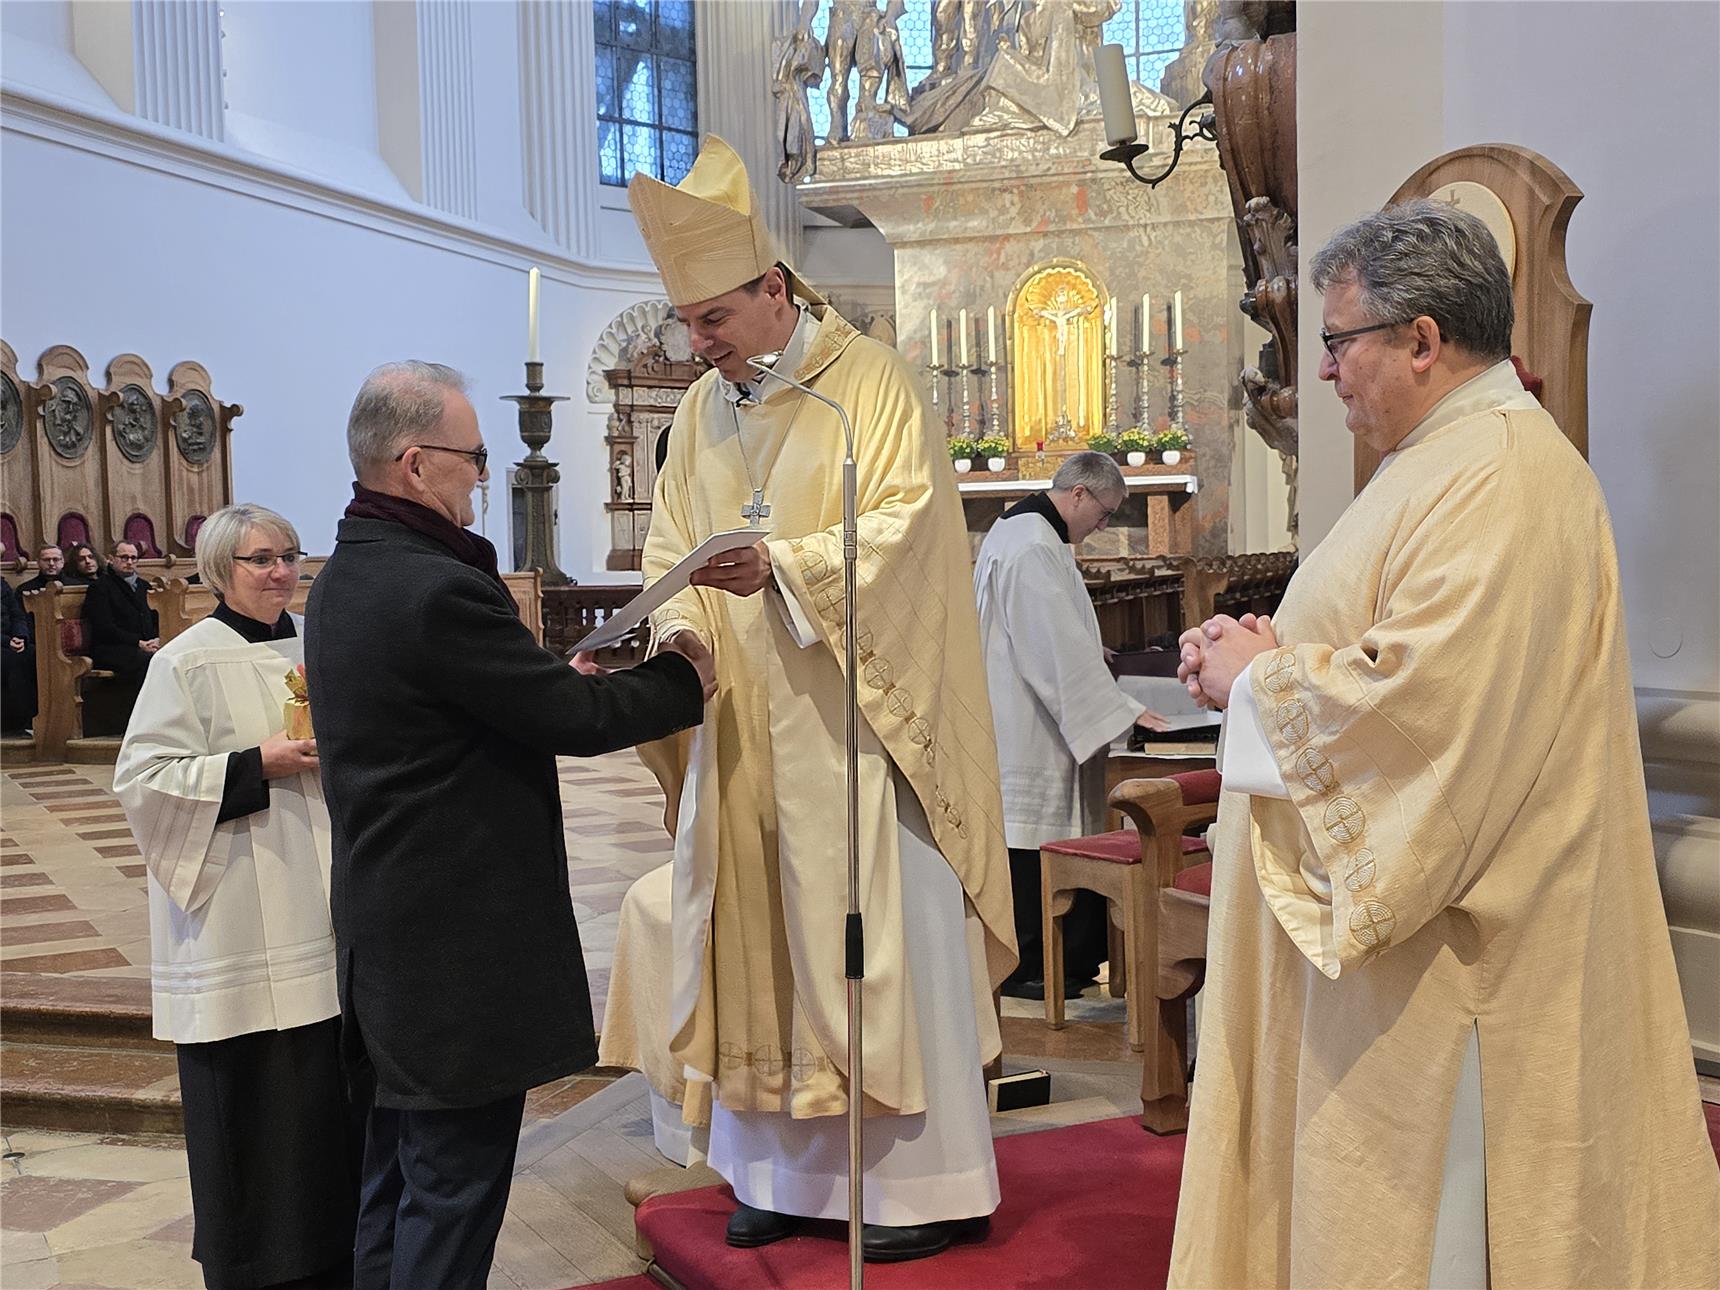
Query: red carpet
x=1057 y=1185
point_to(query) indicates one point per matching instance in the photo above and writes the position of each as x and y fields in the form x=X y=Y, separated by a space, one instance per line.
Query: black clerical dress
x=438 y=722
x=17 y=667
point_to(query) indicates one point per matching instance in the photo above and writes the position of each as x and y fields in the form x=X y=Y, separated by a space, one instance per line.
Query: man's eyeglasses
x=262 y=562
x=1331 y=339
x=480 y=457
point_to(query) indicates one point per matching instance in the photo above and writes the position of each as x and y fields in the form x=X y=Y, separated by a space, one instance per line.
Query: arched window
x=647 y=94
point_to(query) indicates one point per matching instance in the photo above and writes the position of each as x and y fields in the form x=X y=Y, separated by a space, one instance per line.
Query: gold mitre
x=707 y=234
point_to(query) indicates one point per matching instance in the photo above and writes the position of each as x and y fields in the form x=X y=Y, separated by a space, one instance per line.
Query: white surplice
x=1054 y=703
x=240 y=934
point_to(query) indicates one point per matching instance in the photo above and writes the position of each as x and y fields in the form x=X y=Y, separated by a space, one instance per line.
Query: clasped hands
x=1214 y=654
x=685 y=643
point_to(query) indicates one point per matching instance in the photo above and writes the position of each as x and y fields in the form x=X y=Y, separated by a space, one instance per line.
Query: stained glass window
x=1150 y=32
x=647 y=92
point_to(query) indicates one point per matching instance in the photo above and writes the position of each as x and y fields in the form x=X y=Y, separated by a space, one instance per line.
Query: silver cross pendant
x=755 y=510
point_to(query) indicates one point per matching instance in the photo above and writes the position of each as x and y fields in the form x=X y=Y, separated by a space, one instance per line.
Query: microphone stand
x=853 y=936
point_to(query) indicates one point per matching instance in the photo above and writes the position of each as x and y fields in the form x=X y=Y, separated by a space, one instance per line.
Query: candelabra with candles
x=1177 y=350
x=537 y=475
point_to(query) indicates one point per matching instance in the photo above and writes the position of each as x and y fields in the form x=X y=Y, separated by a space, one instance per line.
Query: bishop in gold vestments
x=757 y=1015
x=1461 y=854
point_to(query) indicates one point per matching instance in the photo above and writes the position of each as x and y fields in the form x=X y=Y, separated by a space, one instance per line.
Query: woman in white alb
x=229 y=814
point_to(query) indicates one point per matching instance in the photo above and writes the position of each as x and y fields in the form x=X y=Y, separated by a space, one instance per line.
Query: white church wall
x=1382 y=88
x=290 y=258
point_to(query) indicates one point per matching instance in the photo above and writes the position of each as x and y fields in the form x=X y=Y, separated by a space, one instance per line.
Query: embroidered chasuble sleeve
x=1408 y=754
x=1063 y=665
x=171 y=786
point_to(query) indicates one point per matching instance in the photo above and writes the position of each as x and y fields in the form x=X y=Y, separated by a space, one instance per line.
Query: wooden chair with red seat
x=1157 y=883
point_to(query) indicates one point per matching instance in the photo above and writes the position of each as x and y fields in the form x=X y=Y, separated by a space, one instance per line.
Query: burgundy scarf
x=466 y=545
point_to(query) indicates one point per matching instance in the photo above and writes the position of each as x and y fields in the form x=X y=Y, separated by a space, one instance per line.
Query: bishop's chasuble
x=757 y=798
x=1464 y=851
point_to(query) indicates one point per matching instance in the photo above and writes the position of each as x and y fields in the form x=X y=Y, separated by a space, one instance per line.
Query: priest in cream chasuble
x=757 y=799
x=1448 y=850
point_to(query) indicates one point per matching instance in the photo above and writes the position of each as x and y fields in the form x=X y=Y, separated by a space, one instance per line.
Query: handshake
x=1214 y=654
x=686 y=644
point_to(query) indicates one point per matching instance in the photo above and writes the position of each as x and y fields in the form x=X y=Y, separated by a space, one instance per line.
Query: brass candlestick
x=537 y=477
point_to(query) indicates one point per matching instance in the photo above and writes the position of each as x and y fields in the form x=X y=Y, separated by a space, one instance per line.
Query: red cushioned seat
x=1199 y=786
x=1196 y=878
x=1120 y=846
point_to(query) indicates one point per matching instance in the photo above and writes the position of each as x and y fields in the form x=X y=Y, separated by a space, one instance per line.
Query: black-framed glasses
x=480 y=457
x=263 y=562
x=1330 y=338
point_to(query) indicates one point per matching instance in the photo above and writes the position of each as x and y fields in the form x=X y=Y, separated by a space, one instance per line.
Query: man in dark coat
x=124 y=630
x=438 y=720
x=50 y=567
x=17 y=663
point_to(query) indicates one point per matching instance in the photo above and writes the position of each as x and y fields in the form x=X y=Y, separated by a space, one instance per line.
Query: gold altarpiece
x=1057 y=346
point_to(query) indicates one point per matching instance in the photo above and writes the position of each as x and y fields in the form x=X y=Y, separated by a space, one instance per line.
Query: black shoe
x=879 y=1244
x=1036 y=989
x=749 y=1227
x=969 y=1229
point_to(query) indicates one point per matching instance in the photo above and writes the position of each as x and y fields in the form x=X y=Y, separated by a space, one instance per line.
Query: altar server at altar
x=1056 y=706
x=228 y=812
x=757 y=1015
x=439 y=720
x=1443 y=1042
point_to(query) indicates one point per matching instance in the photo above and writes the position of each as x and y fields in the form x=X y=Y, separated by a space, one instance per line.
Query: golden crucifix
x=1061 y=310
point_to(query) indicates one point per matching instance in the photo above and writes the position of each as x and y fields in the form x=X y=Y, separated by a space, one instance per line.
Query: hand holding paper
x=635 y=611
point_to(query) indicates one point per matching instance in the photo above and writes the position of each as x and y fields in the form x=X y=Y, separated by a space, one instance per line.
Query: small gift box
x=297 y=709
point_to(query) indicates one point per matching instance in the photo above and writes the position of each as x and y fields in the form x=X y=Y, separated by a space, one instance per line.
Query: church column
x=738 y=105
x=159 y=59
x=558 y=117
x=424 y=101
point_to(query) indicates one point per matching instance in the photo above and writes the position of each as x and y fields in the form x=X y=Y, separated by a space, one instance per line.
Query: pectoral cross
x=755 y=510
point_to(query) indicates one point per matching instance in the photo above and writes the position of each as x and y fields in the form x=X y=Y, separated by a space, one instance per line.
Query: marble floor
x=94 y=1211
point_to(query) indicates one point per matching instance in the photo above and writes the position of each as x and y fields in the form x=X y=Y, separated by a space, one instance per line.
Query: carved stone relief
x=11 y=415
x=68 y=420
x=134 y=425
x=194 y=428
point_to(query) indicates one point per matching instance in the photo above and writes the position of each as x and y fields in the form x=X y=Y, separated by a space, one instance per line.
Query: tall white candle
x=934 y=326
x=991 y=333
x=1176 y=321
x=532 y=316
x=1111 y=326
x=962 y=323
x=1115 y=99
x=1146 y=324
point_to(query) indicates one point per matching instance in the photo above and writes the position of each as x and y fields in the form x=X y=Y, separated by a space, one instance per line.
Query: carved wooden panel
x=1551 y=334
x=201 y=472
x=646 y=396
x=134 y=465
x=18 y=499
x=69 y=445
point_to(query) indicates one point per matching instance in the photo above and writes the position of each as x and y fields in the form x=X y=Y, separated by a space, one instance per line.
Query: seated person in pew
x=82 y=566
x=124 y=631
x=1054 y=704
x=17 y=664
x=50 y=567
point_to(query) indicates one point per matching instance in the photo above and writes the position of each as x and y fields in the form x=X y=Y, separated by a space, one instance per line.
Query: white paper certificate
x=635 y=611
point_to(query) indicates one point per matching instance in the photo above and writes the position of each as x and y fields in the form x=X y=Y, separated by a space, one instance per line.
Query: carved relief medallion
x=11 y=415
x=134 y=426
x=67 y=419
x=194 y=428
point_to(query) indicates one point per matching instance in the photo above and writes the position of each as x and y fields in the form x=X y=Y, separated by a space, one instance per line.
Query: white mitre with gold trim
x=707 y=234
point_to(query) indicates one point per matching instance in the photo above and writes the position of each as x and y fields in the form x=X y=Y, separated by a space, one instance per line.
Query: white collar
x=1496 y=388
x=758 y=389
